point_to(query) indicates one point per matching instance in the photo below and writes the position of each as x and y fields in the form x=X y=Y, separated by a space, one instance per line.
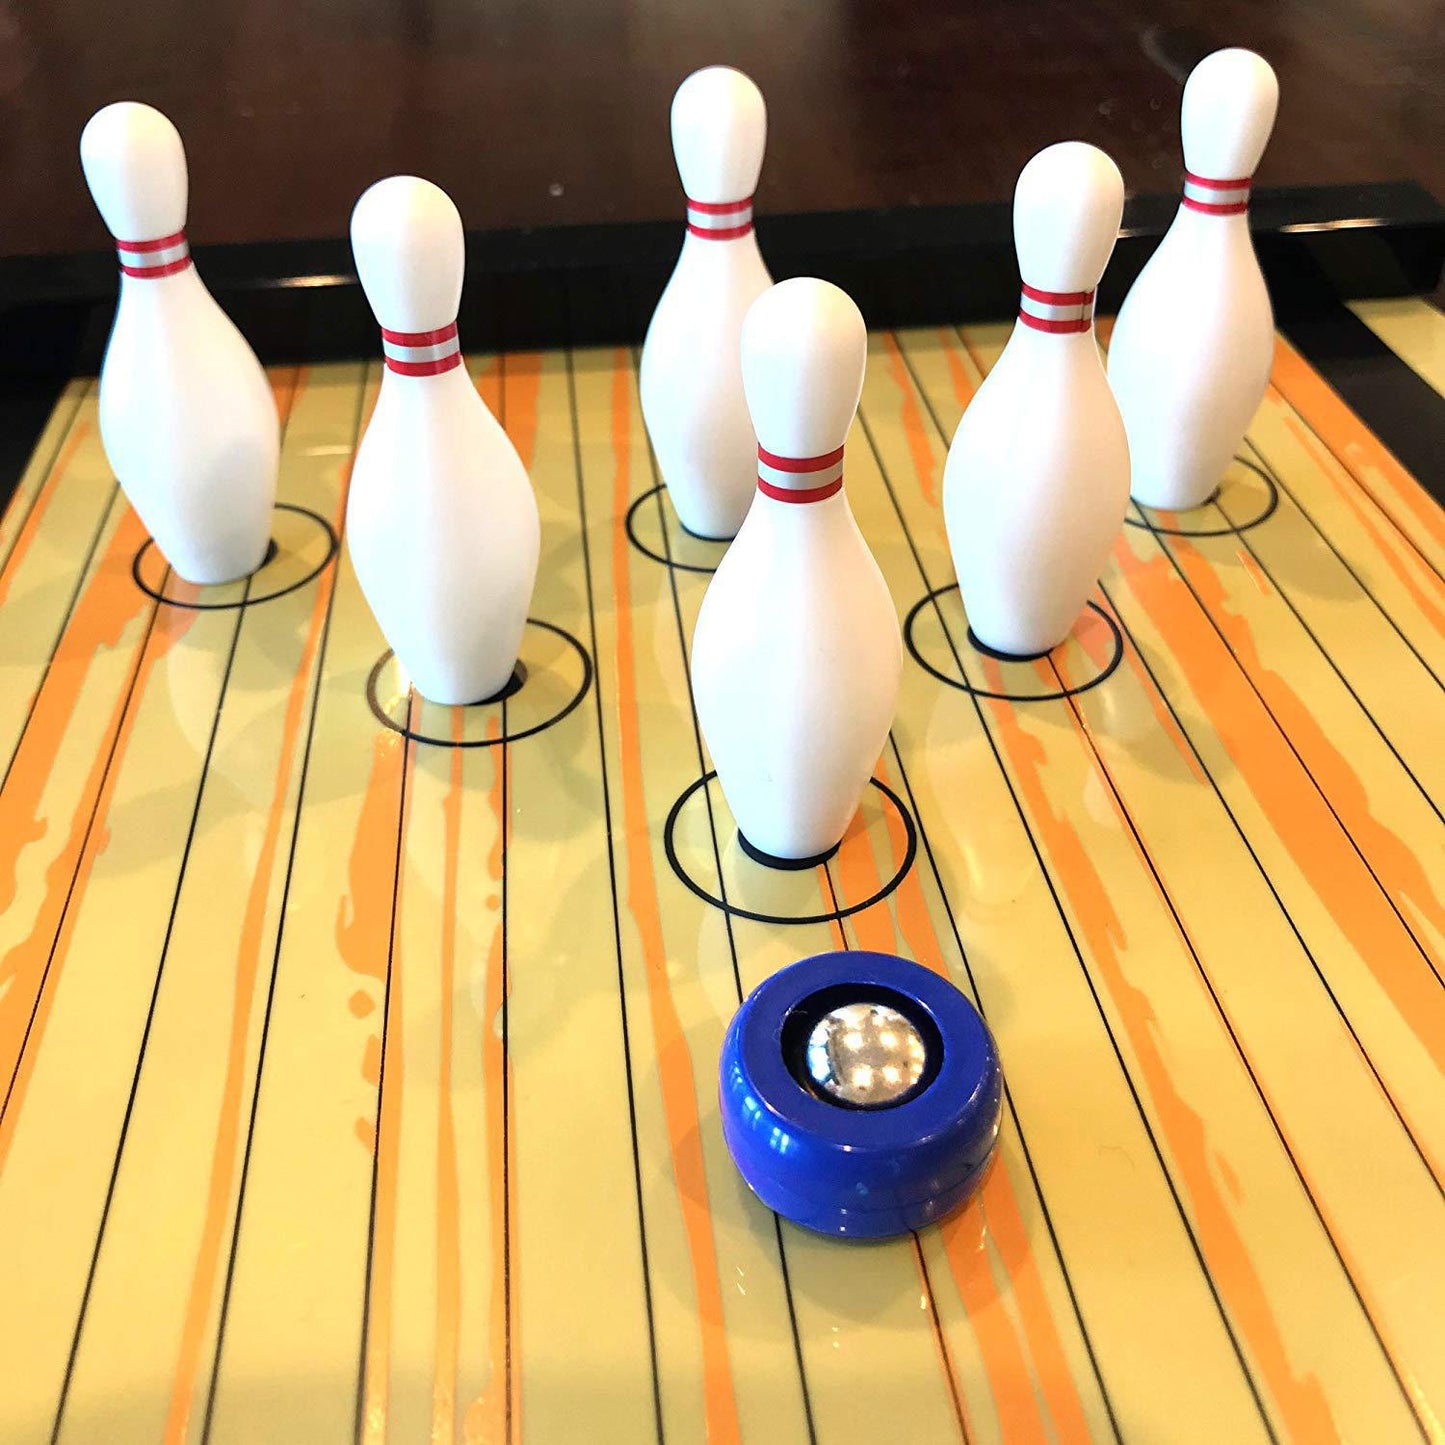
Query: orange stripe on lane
x=486 y=1418
x=77 y=434
x=1295 y=808
x=448 y=1205
x=1006 y=1356
x=1098 y=644
x=1399 y=869
x=170 y=627
x=1298 y=1396
x=1399 y=555
x=968 y=351
x=1361 y=451
x=998 y=1201
x=1245 y=558
x=674 y=1062
x=489 y=386
x=911 y=415
x=962 y=382
x=219 y=1201
x=109 y=604
x=523 y=384
x=287 y=384
x=367 y=927
x=998 y=1205
x=859 y=872
x=496 y=1413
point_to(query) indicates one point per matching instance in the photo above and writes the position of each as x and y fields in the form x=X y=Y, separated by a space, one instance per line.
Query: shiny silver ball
x=866 y=1054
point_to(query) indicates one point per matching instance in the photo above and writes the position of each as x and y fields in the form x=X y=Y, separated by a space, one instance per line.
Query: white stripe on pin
x=1056 y=311
x=800 y=479
x=1216 y=198
x=151 y=259
x=720 y=220
x=422 y=353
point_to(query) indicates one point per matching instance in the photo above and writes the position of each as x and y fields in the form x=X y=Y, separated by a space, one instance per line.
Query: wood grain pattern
x=364 y=1087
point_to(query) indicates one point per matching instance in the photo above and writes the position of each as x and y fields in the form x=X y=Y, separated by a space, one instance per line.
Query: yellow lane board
x=358 y=1057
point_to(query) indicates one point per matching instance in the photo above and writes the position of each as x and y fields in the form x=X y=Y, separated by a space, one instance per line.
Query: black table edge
x=299 y=301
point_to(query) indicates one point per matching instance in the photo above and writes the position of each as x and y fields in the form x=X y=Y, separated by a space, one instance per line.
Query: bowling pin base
x=1178 y=506
x=983 y=647
x=701 y=536
x=513 y=686
x=792 y=865
x=226 y=575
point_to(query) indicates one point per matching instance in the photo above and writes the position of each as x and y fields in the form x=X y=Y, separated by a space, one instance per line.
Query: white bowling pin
x=1037 y=479
x=691 y=381
x=441 y=520
x=186 y=413
x=1191 y=352
x=796 y=657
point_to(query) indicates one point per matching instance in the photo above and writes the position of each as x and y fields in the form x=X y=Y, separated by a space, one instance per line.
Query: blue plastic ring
x=864 y=1173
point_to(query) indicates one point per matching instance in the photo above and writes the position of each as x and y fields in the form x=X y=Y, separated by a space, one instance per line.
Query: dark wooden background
x=538 y=112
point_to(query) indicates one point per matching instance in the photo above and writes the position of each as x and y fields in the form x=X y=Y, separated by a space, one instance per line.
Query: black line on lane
x=616 y=904
x=682 y=642
x=950 y=1372
x=1062 y=912
x=1334 y=666
x=407 y=756
x=1339 y=556
x=80 y=580
x=19 y=449
x=130 y=701
x=320 y=666
x=1144 y=852
x=1289 y=742
x=146 y=1030
x=1402 y=409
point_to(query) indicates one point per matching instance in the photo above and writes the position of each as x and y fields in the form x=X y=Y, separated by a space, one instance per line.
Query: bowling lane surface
x=358 y=1056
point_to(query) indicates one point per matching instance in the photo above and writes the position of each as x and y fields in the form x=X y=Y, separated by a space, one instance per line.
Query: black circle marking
x=1230 y=528
x=910 y=852
x=666 y=561
x=788 y=865
x=272 y=551
x=979 y=645
x=701 y=536
x=510 y=688
x=513 y=687
x=963 y=685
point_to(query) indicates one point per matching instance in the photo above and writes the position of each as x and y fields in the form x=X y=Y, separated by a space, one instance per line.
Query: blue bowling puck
x=860 y=1094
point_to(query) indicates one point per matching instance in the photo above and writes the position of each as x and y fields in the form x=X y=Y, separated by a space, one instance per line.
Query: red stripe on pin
x=1034 y=297
x=800 y=494
x=1231 y=208
x=420 y=338
x=1232 y=195
x=718 y=208
x=796 y=465
x=1057 y=298
x=1055 y=328
x=424 y=368
x=1213 y=185
x=725 y=233
x=177 y=238
x=151 y=273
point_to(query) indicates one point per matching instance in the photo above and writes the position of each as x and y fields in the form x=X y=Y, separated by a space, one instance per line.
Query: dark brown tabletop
x=552 y=112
